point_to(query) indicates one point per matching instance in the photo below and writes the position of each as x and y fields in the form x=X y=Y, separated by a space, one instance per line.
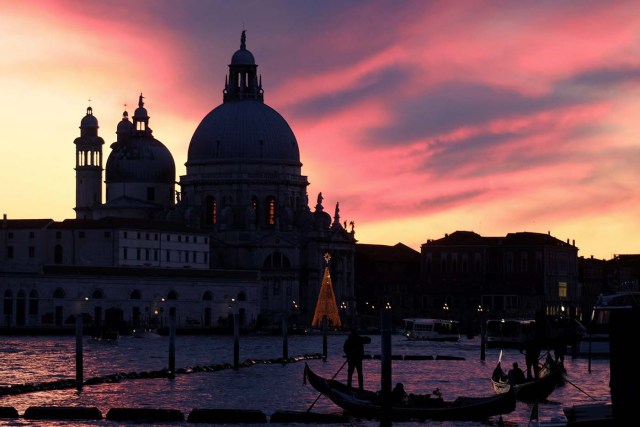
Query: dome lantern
x=243 y=82
x=141 y=118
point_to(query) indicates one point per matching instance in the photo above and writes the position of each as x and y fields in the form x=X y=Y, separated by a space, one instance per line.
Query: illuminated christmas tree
x=326 y=305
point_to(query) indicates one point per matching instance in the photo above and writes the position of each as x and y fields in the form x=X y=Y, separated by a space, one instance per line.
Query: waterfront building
x=236 y=237
x=466 y=276
x=386 y=275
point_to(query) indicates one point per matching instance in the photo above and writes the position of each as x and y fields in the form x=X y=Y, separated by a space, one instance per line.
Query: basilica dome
x=244 y=130
x=243 y=127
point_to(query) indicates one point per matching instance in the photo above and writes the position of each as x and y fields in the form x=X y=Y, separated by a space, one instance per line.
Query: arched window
x=59 y=293
x=172 y=295
x=212 y=211
x=242 y=296
x=271 y=210
x=33 y=303
x=8 y=302
x=135 y=294
x=208 y=296
x=21 y=308
x=97 y=294
x=57 y=254
x=276 y=261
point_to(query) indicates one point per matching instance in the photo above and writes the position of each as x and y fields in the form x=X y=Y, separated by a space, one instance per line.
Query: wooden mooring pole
x=285 y=336
x=385 y=365
x=236 y=341
x=79 y=350
x=172 y=343
x=324 y=336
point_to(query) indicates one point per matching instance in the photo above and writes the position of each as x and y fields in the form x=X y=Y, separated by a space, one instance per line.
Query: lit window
x=271 y=210
x=562 y=289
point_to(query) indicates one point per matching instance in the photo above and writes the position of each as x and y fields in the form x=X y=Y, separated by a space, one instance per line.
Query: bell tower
x=88 y=166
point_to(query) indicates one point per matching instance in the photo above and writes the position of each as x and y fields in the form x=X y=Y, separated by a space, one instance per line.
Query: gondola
x=532 y=390
x=367 y=404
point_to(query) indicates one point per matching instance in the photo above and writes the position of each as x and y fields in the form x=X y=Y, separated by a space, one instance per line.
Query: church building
x=235 y=235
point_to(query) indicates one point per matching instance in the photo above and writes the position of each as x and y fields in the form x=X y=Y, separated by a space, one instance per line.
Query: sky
x=419 y=117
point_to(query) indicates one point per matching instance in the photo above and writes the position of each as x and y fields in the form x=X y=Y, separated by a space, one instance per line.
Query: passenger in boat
x=516 y=375
x=354 y=350
x=398 y=395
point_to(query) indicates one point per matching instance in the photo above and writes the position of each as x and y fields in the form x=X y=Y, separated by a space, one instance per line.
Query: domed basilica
x=234 y=235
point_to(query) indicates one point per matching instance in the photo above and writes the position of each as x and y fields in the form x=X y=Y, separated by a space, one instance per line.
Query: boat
x=508 y=333
x=590 y=414
x=595 y=341
x=552 y=376
x=426 y=329
x=367 y=404
x=105 y=335
x=145 y=333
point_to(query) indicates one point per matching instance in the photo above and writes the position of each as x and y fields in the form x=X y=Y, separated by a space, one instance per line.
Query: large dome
x=246 y=129
x=140 y=159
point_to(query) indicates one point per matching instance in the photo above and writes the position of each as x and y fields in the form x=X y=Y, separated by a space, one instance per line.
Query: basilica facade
x=235 y=235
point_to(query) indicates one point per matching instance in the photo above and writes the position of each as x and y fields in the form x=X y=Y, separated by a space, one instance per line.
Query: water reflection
x=265 y=387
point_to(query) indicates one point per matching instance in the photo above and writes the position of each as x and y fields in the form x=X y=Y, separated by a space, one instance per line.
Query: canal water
x=267 y=387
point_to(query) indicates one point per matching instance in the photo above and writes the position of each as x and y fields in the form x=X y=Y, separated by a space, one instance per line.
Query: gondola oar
x=564 y=378
x=320 y=394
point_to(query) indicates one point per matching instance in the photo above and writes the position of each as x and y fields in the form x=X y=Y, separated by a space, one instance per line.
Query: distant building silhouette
x=384 y=275
x=516 y=275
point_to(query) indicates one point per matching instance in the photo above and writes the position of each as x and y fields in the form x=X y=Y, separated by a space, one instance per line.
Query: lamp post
x=343 y=312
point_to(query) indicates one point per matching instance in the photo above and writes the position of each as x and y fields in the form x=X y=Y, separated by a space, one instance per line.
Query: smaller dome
x=140 y=159
x=89 y=120
x=140 y=113
x=243 y=57
x=124 y=126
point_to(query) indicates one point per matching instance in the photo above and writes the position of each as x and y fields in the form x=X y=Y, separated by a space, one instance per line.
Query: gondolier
x=354 y=350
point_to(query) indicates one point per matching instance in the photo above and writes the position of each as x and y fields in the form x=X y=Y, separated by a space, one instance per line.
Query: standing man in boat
x=354 y=350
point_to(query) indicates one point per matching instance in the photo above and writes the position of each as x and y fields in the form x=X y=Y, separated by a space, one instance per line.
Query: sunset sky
x=419 y=117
